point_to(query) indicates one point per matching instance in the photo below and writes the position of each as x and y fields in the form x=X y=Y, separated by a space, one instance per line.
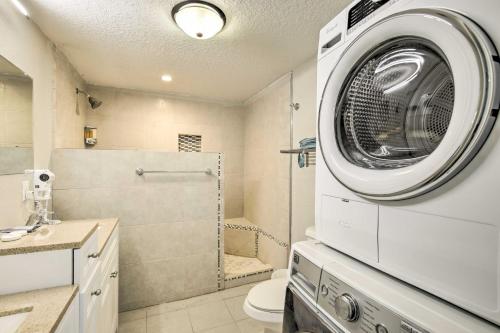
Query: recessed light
x=20 y=7
x=166 y=78
x=199 y=19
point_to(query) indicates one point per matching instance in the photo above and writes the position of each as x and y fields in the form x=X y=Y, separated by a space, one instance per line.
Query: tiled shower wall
x=137 y=120
x=304 y=126
x=266 y=175
x=171 y=232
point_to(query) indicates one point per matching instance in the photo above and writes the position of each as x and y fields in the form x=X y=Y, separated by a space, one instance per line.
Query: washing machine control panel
x=357 y=312
x=305 y=275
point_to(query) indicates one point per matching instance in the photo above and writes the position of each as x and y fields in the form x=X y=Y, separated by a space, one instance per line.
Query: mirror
x=16 y=138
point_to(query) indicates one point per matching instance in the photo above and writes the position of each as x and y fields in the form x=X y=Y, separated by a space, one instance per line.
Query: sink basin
x=9 y=324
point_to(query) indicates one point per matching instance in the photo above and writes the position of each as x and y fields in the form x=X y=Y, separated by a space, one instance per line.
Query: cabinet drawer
x=70 y=322
x=51 y=268
x=109 y=253
x=86 y=259
x=107 y=317
x=89 y=302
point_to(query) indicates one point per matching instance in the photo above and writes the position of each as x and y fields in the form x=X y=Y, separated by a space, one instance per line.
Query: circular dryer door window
x=406 y=108
x=396 y=107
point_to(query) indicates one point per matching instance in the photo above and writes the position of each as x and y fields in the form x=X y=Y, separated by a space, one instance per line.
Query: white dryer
x=407 y=178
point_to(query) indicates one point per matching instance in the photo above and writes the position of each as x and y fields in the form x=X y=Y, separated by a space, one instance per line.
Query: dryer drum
x=395 y=107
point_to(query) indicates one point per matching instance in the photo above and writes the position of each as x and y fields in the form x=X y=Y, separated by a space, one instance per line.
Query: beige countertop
x=50 y=237
x=66 y=235
x=105 y=228
x=45 y=307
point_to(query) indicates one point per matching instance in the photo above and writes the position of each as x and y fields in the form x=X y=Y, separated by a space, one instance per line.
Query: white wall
x=56 y=120
x=25 y=46
x=70 y=113
x=304 y=126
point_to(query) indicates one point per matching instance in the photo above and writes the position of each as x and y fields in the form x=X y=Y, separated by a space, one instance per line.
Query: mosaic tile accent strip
x=220 y=223
x=256 y=244
x=258 y=230
x=189 y=143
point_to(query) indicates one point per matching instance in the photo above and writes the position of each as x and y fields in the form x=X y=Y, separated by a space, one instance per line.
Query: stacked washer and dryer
x=407 y=178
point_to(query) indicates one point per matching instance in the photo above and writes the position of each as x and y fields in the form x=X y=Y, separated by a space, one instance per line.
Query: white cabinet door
x=114 y=296
x=108 y=307
x=70 y=321
x=107 y=321
x=105 y=313
x=85 y=260
x=90 y=297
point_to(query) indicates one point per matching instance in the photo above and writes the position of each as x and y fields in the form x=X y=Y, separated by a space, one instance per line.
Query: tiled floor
x=220 y=312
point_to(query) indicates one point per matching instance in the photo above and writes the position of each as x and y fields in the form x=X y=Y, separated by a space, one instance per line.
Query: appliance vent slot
x=362 y=10
x=189 y=143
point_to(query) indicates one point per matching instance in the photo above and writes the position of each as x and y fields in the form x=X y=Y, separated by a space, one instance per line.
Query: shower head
x=94 y=102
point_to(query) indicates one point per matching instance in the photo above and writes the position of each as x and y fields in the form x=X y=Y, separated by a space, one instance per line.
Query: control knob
x=324 y=290
x=346 y=307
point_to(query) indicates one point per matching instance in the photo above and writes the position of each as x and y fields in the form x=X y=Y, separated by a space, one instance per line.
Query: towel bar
x=141 y=171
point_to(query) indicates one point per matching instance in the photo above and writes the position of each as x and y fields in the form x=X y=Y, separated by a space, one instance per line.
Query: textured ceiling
x=131 y=43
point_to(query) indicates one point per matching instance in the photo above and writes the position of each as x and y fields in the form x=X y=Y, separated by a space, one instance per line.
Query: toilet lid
x=269 y=295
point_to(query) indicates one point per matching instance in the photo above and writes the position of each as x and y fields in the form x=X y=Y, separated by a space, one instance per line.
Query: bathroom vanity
x=74 y=253
x=45 y=310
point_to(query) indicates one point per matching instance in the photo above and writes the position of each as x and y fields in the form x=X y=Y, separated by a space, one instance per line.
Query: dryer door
x=409 y=104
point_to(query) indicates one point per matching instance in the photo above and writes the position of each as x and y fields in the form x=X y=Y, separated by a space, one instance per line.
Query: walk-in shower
x=257 y=243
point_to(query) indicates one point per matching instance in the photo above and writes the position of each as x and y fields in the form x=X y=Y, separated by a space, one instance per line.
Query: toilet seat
x=265 y=301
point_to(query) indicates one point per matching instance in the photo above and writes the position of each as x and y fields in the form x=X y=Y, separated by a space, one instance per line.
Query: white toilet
x=265 y=302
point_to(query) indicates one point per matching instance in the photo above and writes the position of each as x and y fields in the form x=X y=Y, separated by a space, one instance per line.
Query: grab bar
x=141 y=171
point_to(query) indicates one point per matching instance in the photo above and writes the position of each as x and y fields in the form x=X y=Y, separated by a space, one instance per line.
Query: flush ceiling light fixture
x=166 y=78
x=199 y=19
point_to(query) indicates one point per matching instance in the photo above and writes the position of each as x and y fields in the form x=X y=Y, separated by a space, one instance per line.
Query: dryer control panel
x=357 y=312
x=362 y=10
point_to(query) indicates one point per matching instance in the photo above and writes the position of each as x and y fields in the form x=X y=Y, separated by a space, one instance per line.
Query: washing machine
x=330 y=292
x=407 y=178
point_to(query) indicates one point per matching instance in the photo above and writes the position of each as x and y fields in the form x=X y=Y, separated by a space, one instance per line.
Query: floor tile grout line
x=218 y=298
x=228 y=310
x=218 y=326
x=189 y=318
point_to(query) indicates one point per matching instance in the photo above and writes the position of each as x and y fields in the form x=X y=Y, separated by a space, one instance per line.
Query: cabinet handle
x=93 y=255
x=96 y=293
x=114 y=274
